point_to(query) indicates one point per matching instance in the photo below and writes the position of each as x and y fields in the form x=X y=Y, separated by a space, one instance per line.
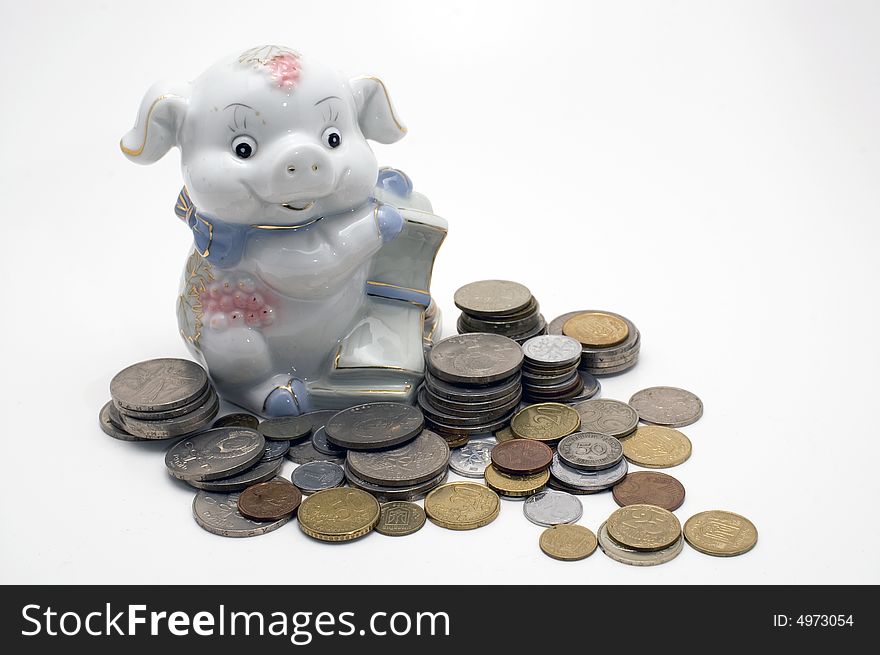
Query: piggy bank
x=308 y=283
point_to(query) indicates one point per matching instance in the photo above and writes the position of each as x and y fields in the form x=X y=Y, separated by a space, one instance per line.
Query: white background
x=709 y=170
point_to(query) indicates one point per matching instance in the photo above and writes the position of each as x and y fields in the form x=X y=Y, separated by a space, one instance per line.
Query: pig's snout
x=305 y=172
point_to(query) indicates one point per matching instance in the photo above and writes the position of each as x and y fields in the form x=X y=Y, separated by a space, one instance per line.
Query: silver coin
x=555 y=349
x=372 y=426
x=472 y=459
x=174 y=427
x=592 y=387
x=218 y=513
x=158 y=384
x=463 y=418
x=492 y=297
x=237 y=420
x=216 y=453
x=590 y=451
x=550 y=507
x=465 y=394
x=384 y=494
x=447 y=429
x=316 y=476
x=607 y=416
x=260 y=472
x=304 y=452
x=412 y=463
x=201 y=400
x=515 y=324
x=621 y=553
x=471 y=407
x=539 y=329
x=669 y=406
x=319 y=441
x=319 y=418
x=587 y=480
x=275 y=450
x=475 y=359
x=287 y=428
x=613 y=370
x=113 y=430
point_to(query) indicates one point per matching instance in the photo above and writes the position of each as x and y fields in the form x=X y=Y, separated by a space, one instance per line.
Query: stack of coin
x=610 y=342
x=519 y=468
x=472 y=386
x=641 y=535
x=159 y=399
x=550 y=369
x=587 y=462
x=499 y=307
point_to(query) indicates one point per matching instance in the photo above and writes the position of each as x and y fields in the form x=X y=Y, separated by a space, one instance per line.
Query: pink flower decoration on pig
x=284 y=69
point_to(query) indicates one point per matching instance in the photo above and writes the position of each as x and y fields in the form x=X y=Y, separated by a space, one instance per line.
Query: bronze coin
x=269 y=501
x=521 y=457
x=649 y=488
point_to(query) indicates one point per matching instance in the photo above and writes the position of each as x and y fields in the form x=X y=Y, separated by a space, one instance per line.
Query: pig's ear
x=158 y=123
x=376 y=115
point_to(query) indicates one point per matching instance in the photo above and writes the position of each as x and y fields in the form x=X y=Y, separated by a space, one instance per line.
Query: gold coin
x=720 y=533
x=643 y=527
x=504 y=434
x=339 y=514
x=462 y=505
x=399 y=518
x=656 y=447
x=515 y=486
x=596 y=329
x=568 y=542
x=547 y=422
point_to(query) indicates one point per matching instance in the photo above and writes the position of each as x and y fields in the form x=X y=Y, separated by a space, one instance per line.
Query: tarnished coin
x=218 y=513
x=111 y=429
x=592 y=387
x=204 y=399
x=596 y=329
x=607 y=416
x=465 y=394
x=552 y=350
x=287 y=428
x=447 y=430
x=471 y=459
x=319 y=418
x=492 y=297
x=464 y=418
x=644 y=527
x=260 y=472
x=374 y=425
x=720 y=533
x=400 y=518
x=339 y=514
x=477 y=358
x=216 y=453
x=649 y=488
x=422 y=459
x=504 y=434
x=174 y=427
x=238 y=420
x=667 y=406
x=158 y=384
x=275 y=450
x=387 y=493
x=547 y=422
x=462 y=505
x=549 y=507
x=269 y=501
x=316 y=476
x=521 y=457
x=624 y=555
x=589 y=481
x=568 y=542
x=653 y=446
x=590 y=451
x=322 y=444
x=304 y=452
x=515 y=486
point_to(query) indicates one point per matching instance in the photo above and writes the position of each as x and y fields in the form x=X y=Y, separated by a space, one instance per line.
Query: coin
x=590 y=481
x=720 y=533
x=449 y=430
x=521 y=457
x=475 y=359
x=202 y=400
x=422 y=459
x=545 y=422
x=111 y=429
x=552 y=349
x=319 y=419
x=275 y=450
x=269 y=501
x=517 y=486
x=568 y=542
x=590 y=451
x=339 y=514
x=607 y=416
x=596 y=329
x=304 y=452
x=464 y=418
x=643 y=527
x=467 y=408
x=669 y=406
x=462 y=505
x=621 y=553
x=286 y=428
x=492 y=297
x=549 y=507
x=374 y=425
x=259 y=472
x=174 y=427
x=649 y=488
x=471 y=459
x=385 y=493
x=216 y=453
x=218 y=513
x=505 y=434
x=239 y=420
x=158 y=384
x=653 y=446
x=466 y=394
x=316 y=476
x=592 y=387
x=399 y=518
x=322 y=444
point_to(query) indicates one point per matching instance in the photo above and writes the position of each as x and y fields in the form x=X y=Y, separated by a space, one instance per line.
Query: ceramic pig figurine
x=308 y=283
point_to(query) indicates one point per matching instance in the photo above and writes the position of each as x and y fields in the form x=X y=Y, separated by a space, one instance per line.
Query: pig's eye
x=331 y=137
x=244 y=146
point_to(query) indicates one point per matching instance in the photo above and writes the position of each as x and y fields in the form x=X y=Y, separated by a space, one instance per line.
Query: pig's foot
x=288 y=397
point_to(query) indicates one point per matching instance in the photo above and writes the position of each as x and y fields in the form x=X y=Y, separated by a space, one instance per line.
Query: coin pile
x=159 y=399
x=588 y=462
x=499 y=307
x=610 y=342
x=519 y=468
x=641 y=535
x=472 y=386
x=550 y=369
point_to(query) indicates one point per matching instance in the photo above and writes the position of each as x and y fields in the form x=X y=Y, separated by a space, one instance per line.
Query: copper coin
x=521 y=457
x=269 y=501
x=649 y=488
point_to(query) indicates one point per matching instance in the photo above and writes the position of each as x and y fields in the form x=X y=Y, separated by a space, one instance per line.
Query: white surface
x=710 y=170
